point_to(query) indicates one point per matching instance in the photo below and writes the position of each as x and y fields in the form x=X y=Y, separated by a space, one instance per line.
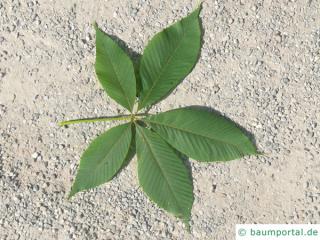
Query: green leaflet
x=168 y=58
x=202 y=135
x=162 y=174
x=115 y=70
x=103 y=158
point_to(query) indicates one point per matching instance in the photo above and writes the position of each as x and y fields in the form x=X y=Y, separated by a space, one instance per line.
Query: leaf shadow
x=202 y=34
x=245 y=131
x=135 y=56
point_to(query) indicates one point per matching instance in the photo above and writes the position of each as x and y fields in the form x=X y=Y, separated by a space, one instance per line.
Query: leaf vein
x=188 y=131
x=164 y=67
x=161 y=170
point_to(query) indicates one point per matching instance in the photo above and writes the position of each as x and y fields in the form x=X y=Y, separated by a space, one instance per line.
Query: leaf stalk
x=131 y=117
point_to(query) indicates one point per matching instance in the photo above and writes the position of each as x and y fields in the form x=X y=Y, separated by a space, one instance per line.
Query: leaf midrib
x=161 y=170
x=188 y=131
x=165 y=66
x=117 y=75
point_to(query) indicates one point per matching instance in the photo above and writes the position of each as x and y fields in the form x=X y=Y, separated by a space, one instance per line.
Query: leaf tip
x=73 y=191
x=187 y=225
x=199 y=6
x=95 y=25
x=71 y=194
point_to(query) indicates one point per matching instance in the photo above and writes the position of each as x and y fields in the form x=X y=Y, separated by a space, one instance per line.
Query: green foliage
x=115 y=70
x=201 y=135
x=162 y=174
x=161 y=139
x=168 y=58
x=103 y=158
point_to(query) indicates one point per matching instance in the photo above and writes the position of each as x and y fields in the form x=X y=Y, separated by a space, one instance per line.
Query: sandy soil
x=260 y=65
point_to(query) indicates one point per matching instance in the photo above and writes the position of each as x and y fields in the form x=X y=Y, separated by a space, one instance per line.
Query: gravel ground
x=260 y=66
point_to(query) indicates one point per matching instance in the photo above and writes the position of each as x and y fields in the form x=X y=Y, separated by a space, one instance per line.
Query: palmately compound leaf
x=163 y=175
x=168 y=58
x=103 y=158
x=201 y=135
x=115 y=70
x=157 y=139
